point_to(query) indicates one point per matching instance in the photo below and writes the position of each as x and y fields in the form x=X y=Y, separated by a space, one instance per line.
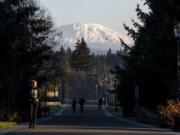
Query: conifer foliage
x=152 y=63
x=82 y=58
x=24 y=30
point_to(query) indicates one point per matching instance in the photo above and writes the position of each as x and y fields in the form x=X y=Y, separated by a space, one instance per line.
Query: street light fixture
x=104 y=90
x=177 y=35
x=96 y=92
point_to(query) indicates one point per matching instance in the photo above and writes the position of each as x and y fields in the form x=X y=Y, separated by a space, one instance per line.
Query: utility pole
x=96 y=92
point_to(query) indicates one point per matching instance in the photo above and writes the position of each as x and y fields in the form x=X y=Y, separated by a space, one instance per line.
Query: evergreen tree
x=64 y=60
x=109 y=56
x=69 y=51
x=62 y=51
x=24 y=28
x=151 y=63
x=81 y=57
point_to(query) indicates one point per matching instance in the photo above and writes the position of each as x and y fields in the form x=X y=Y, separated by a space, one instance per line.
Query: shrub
x=168 y=113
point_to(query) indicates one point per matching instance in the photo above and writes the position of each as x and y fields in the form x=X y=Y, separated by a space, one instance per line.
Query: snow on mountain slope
x=98 y=37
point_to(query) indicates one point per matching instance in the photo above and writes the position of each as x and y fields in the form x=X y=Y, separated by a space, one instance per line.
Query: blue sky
x=111 y=13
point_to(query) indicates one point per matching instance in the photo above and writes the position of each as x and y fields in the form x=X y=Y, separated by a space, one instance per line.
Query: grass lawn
x=7 y=124
x=119 y=112
x=54 y=110
x=51 y=111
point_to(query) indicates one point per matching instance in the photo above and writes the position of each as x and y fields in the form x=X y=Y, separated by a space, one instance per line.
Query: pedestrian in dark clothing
x=33 y=105
x=74 y=102
x=100 y=101
x=81 y=103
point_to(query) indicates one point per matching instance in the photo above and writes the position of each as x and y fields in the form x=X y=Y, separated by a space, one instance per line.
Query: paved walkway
x=91 y=122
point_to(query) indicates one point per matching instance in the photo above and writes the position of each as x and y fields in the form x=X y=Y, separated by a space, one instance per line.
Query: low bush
x=168 y=113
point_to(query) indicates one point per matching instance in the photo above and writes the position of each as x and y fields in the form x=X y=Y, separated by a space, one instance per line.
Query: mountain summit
x=98 y=37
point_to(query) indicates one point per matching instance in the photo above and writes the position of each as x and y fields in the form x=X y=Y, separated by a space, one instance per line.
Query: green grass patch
x=54 y=110
x=119 y=112
x=7 y=124
x=50 y=111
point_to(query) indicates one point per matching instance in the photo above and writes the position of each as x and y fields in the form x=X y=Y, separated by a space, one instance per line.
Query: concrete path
x=91 y=122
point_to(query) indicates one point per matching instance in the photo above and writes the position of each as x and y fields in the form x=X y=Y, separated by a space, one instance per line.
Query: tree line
x=151 y=64
x=83 y=70
x=26 y=30
x=26 y=38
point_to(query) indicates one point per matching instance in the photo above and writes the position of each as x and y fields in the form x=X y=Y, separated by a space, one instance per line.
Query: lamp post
x=115 y=102
x=105 y=83
x=96 y=92
x=177 y=35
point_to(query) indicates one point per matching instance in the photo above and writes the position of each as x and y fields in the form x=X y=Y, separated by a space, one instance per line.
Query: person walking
x=74 y=102
x=33 y=104
x=81 y=103
x=100 y=101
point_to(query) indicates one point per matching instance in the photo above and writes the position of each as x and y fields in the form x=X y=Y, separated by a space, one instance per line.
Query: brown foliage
x=168 y=113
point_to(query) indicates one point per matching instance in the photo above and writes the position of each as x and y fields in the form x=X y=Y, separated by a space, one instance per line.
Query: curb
x=151 y=127
x=107 y=113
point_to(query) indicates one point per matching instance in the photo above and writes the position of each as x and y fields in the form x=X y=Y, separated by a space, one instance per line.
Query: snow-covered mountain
x=98 y=37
